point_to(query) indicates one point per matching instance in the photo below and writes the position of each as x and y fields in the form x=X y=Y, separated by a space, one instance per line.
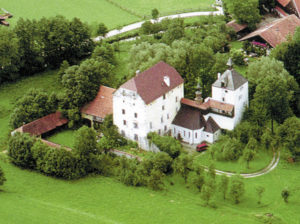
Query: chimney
x=230 y=64
x=167 y=80
x=219 y=75
x=137 y=72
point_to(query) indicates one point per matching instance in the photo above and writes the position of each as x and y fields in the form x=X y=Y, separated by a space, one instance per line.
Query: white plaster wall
x=146 y=114
x=220 y=93
x=242 y=101
x=188 y=136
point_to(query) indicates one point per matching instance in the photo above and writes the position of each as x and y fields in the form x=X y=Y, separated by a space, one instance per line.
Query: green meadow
x=30 y=197
x=113 y=13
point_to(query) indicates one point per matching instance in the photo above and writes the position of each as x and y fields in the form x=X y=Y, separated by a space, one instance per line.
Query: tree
x=272 y=93
x=223 y=187
x=250 y=151
x=237 y=189
x=175 y=31
x=31 y=47
x=2 y=177
x=104 y=52
x=182 y=165
x=237 y=56
x=244 y=11
x=260 y=190
x=289 y=133
x=212 y=170
x=102 y=29
x=85 y=142
x=63 y=67
x=10 y=55
x=82 y=82
x=154 y=13
x=166 y=144
x=285 y=194
x=207 y=191
x=19 y=150
x=155 y=180
x=34 y=104
x=198 y=181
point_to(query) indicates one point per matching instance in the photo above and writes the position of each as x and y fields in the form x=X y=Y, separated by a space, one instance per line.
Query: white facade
x=135 y=119
x=238 y=98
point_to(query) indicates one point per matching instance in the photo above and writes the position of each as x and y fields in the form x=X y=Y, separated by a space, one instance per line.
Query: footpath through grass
x=29 y=197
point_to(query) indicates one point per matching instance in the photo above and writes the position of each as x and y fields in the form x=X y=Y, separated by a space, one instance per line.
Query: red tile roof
x=211 y=126
x=281 y=11
x=237 y=27
x=284 y=3
x=102 y=105
x=44 y=124
x=276 y=32
x=208 y=105
x=297 y=6
x=150 y=84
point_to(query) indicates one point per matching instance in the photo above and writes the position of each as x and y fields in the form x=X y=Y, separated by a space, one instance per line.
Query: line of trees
x=35 y=45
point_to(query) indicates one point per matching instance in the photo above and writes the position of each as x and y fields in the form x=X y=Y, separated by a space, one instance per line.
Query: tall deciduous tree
x=102 y=29
x=154 y=13
x=223 y=186
x=237 y=189
x=272 y=93
x=10 y=55
x=246 y=11
x=182 y=165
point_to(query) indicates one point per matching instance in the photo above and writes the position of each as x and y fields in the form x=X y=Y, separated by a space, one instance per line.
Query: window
x=168 y=116
x=123 y=133
x=189 y=134
x=176 y=99
x=135 y=125
x=150 y=125
x=241 y=88
x=161 y=119
x=159 y=131
x=226 y=91
x=183 y=133
x=123 y=111
x=240 y=97
x=164 y=96
x=207 y=135
x=223 y=99
x=196 y=135
x=136 y=137
x=165 y=127
x=124 y=122
x=163 y=107
x=135 y=115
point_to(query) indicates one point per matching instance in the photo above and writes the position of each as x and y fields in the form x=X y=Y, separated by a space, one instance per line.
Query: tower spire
x=198 y=93
x=229 y=64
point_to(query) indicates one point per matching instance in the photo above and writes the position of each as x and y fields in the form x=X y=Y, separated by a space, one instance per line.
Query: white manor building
x=153 y=101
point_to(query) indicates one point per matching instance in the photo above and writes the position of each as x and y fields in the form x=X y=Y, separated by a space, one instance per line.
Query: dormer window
x=222 y=84
x=164 y=96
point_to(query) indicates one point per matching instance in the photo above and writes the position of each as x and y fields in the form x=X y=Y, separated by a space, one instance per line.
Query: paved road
x=139 y=24
x=272 y=165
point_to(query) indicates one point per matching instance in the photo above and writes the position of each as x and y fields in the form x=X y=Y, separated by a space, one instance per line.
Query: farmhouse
x=275 y=32
x=290 y=6
x=153 y=101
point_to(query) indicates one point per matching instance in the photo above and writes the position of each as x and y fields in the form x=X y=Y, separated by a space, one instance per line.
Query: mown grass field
x=29 y=197
x=96 y=11
x=64 y=138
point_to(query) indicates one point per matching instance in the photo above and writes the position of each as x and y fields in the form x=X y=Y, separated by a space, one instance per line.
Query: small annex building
x=100 y=107
x=289 y=6
x=275 y=32
x=43 y=125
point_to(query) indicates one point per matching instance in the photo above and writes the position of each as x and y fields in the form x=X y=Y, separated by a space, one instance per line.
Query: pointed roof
x=232 y=80
x=211 y=126
x=236 y=27
x=284 y=3
x=151 y=85
x=229 y=62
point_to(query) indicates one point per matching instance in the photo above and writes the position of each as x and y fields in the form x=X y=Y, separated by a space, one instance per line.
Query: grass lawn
x=261 y=160
x=90 y=11
x=94 y=12
x=166 y=7
x=30 y=197
x=64 y=138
